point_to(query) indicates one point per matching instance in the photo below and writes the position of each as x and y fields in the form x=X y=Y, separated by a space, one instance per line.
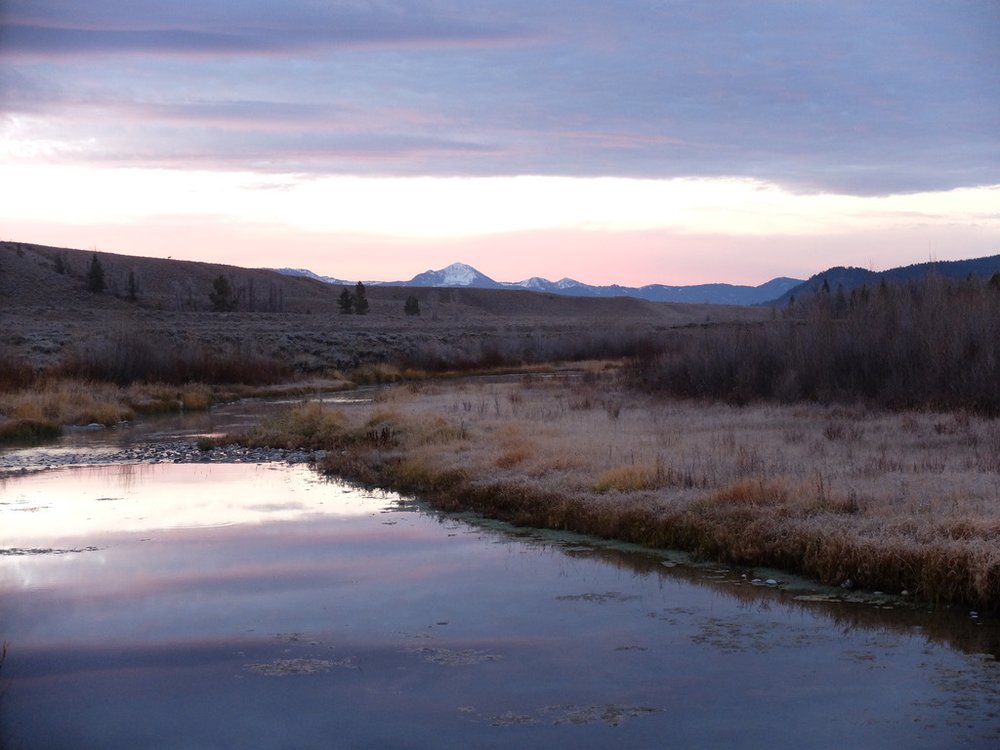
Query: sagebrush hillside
x=48 y=313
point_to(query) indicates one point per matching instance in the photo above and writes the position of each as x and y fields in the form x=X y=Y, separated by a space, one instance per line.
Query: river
x=260 y=605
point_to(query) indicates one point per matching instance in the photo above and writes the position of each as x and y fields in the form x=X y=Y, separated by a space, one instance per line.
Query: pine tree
x=360 y=300
x=346 y=302
x=411 y=306
x=95 y=276
x=133 y=289
x=221 y=296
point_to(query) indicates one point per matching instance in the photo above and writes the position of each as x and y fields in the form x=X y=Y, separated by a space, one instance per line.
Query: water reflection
x=271 y=608
x=100 y=501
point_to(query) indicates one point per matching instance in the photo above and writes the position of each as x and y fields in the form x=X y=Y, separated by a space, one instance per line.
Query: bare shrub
x=496 y=349
x=130 y=356
x=15 y=371
x=933 y=344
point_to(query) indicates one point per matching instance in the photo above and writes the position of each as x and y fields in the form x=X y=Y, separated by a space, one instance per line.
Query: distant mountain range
x=774 y=292
x=462 y=275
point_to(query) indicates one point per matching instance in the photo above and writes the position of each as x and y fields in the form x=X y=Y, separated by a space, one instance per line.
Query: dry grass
x=630 y=478
x=53 y=402
x=36 y=411
x=891 y=501
x=309 y=426
x=69 y=401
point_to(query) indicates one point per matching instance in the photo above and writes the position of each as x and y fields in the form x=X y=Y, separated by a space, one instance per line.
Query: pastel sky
x=633 y=142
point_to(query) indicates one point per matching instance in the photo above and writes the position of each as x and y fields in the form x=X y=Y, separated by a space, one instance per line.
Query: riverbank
x=901 y=502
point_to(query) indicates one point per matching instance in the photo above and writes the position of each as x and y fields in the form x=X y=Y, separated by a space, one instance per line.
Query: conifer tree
x=346 y=302
x=133 y=289
x=95 y=276
x=221 y=296
x=360 y=300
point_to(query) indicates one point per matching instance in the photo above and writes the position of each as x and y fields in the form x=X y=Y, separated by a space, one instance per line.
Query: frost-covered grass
x=894 y=501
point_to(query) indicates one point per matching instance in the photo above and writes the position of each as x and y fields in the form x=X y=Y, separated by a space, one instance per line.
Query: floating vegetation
x=288 y=667
x=451 y=658
x=608 y=596
x=734 y=636
x=612 y=714
x=294 y=638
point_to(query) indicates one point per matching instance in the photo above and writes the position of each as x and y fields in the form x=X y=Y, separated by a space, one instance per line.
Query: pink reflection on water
x=311 y=612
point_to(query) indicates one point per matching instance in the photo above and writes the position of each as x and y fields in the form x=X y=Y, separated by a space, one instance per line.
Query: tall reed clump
x=15 y=371
x=933 y=344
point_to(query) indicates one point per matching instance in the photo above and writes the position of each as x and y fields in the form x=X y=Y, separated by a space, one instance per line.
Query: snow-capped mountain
x=462 y=275
x=457 y=274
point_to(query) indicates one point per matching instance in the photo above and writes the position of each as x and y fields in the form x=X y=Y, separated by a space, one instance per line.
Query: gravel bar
x=181 y=452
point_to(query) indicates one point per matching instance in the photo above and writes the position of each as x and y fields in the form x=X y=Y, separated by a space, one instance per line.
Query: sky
x=631 y=142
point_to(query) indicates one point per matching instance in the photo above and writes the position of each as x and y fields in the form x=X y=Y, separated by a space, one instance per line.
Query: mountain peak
x=457 y=274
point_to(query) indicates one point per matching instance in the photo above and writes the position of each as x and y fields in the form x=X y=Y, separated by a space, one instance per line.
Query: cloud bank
x=849 y=97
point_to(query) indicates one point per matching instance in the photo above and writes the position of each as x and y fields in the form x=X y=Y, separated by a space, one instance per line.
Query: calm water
x=215 y=606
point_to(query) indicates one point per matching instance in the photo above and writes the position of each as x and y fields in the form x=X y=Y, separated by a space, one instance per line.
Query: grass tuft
x=309 y=426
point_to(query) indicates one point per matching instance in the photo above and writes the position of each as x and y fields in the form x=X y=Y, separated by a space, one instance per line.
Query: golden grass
x=630 y=478
x=73 y=401
x=895 y=501
x=307 y=426
x=511 y=457
x=67 y=401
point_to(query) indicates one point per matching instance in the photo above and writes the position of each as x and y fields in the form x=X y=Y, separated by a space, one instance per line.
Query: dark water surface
x=260 y=606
